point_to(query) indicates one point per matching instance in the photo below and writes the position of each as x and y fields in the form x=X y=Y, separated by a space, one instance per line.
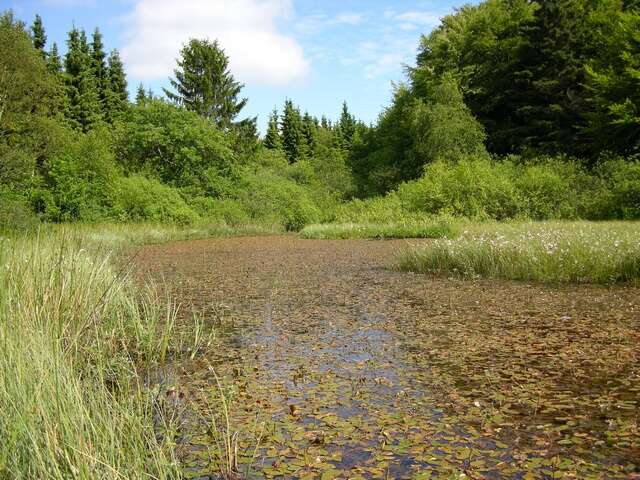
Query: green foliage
x=473 y=188
x=293 y=141
x=38 y=34
x=272 y=138
x=269 y=197
x=614 y=82
x=175 y=144
x=116 y=94
x=80 y=179
x=140 y=199
x=204 y=84
x=84 y=109
x=414 y=132
x=619 y=192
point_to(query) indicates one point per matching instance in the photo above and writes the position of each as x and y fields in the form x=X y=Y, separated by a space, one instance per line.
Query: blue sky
x=318 y=53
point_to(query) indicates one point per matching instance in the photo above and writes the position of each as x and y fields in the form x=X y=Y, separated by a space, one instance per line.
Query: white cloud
x=416 y=19
x=349 y=18
x=384 y=63
x=246 y=29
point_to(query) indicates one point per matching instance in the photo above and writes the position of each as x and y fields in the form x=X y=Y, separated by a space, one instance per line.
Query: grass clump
x=75 y=339
x=442 y=227
x=576 y=252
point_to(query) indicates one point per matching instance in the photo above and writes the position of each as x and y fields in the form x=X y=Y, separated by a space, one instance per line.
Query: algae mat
x=335 y=366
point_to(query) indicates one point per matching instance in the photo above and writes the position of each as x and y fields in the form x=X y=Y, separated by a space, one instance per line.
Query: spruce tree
x=99 y=66
x=38 y=34
x=84 y=109
x=292 y=135
x=53 y=59
x=310 y=133
x=117 y=96
x=204 y=84
x=347 y=126
x=141 y=95
x=272 y=138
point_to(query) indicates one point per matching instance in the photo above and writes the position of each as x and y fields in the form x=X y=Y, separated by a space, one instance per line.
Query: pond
x=335 y=366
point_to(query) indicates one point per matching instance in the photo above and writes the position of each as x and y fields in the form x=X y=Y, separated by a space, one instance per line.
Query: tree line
x=532 y=78
x=500 y=86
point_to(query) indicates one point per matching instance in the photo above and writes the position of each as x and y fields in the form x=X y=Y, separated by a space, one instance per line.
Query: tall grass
x=578 y=252
x=75 y=337
x=439 y=227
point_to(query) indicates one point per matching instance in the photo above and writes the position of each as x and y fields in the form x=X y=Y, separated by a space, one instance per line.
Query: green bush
x=15 y=213
x=179 y=146
x=552 y=188
x=80 y=179
x=137 y=198
x=619 y=195
x=220 y=210
x=271 y=198
x=387 y=209
x=475 y=187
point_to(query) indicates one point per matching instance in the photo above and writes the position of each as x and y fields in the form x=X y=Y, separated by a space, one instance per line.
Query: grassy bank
x=75 y=339
x=579 y=252
x=444 y=227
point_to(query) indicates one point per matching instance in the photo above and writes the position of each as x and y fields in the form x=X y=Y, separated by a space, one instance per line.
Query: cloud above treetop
x=258 y=52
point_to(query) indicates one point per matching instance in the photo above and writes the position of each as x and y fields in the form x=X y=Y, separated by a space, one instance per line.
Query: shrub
x=474 y=187
x=619 y=196
x=386 y=209
x=81 y=179
x=270 y=198
x=220 y=210
x=551 y=188
x=173 y=143
x=137 y=198
x=15 y=213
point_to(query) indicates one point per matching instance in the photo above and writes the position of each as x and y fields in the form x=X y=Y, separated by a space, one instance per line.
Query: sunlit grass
x=578 y=252
x=443 y=227
x=75 y=337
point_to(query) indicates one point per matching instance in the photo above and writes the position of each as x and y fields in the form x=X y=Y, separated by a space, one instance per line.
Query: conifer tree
x=310 y=133
x=38 y=34
x=204 y=84
x=141 y=95
x=272 y=138
x=347 y=126
x=98 y=64
x=292 y=135
x=84 y=109
x=53 y=59
x=117 y=96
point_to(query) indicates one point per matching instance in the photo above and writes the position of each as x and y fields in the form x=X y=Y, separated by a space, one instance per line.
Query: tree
x=613 y=83
x=54 y=61
x=98 y=64
x=204 y=84
x=310 y=133
x=292 y=136
x=29 y=96
x=117 y=96
x=38 y=34
x=347 y=126
x=272 y=138
x=84 y=108
x=141 y=95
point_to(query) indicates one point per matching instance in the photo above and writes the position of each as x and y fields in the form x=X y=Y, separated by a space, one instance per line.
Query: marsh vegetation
x=450 y=292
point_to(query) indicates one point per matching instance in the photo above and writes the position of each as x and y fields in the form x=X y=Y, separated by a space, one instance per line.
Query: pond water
x=335 y=366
